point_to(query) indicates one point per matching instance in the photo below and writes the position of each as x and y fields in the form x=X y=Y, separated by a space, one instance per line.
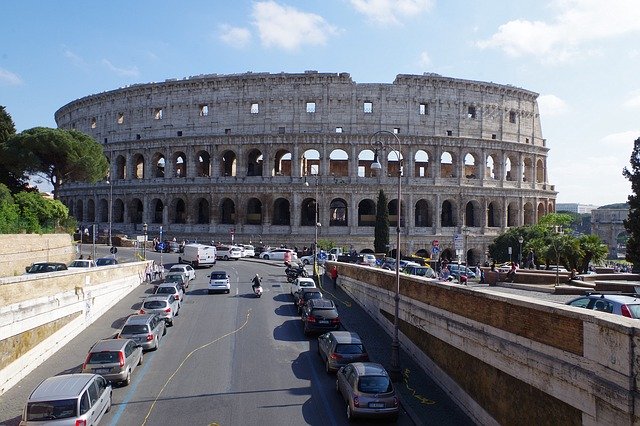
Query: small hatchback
x=173 y=289
x=219 y=282
x=165 y=305
x=113 y=359
x=367 y=390
x=146 y=330
x=80 y=399
x=304 y=295
x=618 y=304
x=320 y=315
x=339 y=348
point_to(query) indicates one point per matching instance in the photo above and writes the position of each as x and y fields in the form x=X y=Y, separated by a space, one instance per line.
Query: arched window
x=338 y=213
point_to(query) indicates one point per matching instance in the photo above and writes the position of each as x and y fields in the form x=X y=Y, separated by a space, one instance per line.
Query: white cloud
x=633 y=101
x=74 y=58
x=551 y=105
x=390 y=11
x=9 y=78
x=424 y=61
x=123 y=72
x=621 y=140
x=235 y=36
x=289 y=28
x=576 y=23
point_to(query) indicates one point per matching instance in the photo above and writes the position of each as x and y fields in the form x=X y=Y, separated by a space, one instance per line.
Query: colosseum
x=248 y=156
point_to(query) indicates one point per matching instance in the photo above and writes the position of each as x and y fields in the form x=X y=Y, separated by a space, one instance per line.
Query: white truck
x=198 y=255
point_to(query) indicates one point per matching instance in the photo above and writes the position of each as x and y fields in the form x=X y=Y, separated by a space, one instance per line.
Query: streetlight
x=557 y=231
x=110 y=183
x=316 y=225
x=145 y=227
x=520 y=240
x=394 y=371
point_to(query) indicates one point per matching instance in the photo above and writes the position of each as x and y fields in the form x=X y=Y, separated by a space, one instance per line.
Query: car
x=185 y=269
x=76 y=399
x=308 y=260
x=366 y=259
x=320 y=315
x=42 y=267
x=390 y=264
x=228 y=252
x=248 y=250
x=626 y=305
x=420 y=271
x=106 y=261
x=219 y=282
x=279 y=254
x=146 y=330
x=179 y=278
x=165 y=305
x=113 y=359
x=301 y=298
x=368 y=391
x=82 y=263
x=173 y=289
x=457 y=270
x=301 y=282
x=167 y=246
x=339 y=348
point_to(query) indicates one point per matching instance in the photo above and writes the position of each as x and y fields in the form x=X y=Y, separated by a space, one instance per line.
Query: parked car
x=367 y=390
x=320 y=315
x=106 y=261
x=219 y=282
x=228 y=252
x=42 y=267
x=301 y=298
x=421 y=271
x=390 y=264
x=173 y=289
x=279 y=254
x=619 y=304
x=366 y=259
x=178 y=278
x=457 y=270
x=82 y=263
x=249 y=250
x=301 y=282
x=167 y=246
x=68 y=399
x=308 y=260
x=185 y=269
x=113 y=359
x=339 y=348
x=165 y=305
x=146 y=330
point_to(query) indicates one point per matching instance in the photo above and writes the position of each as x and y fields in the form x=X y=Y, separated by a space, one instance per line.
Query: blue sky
x=581 y=56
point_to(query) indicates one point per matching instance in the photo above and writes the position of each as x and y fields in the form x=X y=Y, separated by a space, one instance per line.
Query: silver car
x=367 y=391
x=174 y=289
x=68 y=399
x=165 y=305
x=113 y=359
x=219 y=281
x=146 y=330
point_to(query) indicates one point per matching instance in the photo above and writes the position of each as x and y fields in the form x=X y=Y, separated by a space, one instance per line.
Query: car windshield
x=635 y=310
x=374 y=384
x=218 y=276
x=39 y=267
x=173 y=278
x=351 y=348
x=103 y=358
x=166 y=290
x=79 y=264
x=154 y=304
x=51 y=410
x=134 y=329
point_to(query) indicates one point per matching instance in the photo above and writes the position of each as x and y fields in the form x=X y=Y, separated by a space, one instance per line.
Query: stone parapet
x=21 y=250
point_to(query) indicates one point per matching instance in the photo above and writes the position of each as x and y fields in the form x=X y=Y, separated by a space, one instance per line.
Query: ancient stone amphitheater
x=247 y=156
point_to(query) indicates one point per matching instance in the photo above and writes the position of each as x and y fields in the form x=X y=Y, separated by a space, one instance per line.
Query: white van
x=198 y=255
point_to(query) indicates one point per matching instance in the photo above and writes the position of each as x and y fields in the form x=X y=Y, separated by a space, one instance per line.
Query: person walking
x=333 y=273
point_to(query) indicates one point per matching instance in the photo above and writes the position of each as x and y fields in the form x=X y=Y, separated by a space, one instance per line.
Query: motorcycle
x=293 y=273
x=257 y=291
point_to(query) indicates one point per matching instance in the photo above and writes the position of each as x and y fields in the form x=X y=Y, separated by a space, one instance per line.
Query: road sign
x=458 y=242
x=161 y=246
x=113 y=250
x=435 y=243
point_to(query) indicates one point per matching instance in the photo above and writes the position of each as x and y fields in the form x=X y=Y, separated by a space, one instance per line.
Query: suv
x=320 y=315
x=146 y=330
x=301 y=297
x=626 y=305
x=113 y=359
x=165 y=305
x=75 y=398
x=339 y=348
x=42 y=267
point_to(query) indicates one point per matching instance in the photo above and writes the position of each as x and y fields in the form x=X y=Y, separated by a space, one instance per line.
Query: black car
x=106 y=261
x=42 y=267
x=320 y=315
x=168 y=246
x=302 y=296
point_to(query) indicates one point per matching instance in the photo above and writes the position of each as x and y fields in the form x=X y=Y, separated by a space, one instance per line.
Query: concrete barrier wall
x=510 y=360
x=21 y=250
x=40 y=314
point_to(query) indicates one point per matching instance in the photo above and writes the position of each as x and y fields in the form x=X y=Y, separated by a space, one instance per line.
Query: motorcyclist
x=257 y=282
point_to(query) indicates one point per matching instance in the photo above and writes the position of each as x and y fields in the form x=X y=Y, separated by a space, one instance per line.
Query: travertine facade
x=211 y=155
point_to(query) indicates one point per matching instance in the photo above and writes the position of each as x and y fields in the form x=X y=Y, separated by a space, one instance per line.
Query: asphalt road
x=230 y=359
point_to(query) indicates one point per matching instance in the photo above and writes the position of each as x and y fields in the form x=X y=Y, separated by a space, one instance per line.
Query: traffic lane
x=69 y=358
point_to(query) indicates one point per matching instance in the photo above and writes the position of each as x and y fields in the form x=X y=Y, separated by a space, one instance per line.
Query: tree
x=593 y=249
x=381 y=236
x=9 y=212
x=632 y=223
x=40 y=214
x=56 y=154
x=15 y=181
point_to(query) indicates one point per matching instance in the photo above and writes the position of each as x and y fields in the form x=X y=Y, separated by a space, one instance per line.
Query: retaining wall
x=21 y=250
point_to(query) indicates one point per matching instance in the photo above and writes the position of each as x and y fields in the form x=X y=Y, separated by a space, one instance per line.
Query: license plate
x=101 y=370
x=376 y=405
x=323 y=322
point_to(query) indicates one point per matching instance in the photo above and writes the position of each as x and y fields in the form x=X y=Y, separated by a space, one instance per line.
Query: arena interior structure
x=246 y=157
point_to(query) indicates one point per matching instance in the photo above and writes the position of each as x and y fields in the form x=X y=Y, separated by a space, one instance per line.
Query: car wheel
x=179 y=259
x=306 y=262
x=226 y=257
x=127 y=381
x=141 y=360
x=227 y=291
x=170 y=323
x=164 y=330
x=108 y=405
x=266 y=258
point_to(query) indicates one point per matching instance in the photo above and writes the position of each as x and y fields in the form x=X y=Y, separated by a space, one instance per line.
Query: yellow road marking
x=419 y=397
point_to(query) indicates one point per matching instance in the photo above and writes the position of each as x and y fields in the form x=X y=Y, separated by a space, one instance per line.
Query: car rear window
x=166 y=290
x=374 y=384
x=51 y=410
x=218 y=276
x=635 y=310
x=351 y=348
x=313 y=295
x=103 y=357
x=135 y=329
x=307 y=284
x=154 y=304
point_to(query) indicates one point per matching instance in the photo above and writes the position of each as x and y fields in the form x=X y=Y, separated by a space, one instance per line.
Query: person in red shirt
x=333 y=273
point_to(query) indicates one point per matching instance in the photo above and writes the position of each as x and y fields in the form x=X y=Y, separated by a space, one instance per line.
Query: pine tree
x=381 y=239
x=632 y=223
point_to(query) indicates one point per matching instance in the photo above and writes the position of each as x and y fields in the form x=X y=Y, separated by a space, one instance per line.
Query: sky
x=581 y=56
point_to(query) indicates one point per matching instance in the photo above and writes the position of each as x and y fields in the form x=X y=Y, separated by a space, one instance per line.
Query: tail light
x=149 y=337
x=335 y=356
x=311 y=318
x=142 y=311
x=625 y=311
x=81 y=422
x=335 y=321
x=176 y=296
x=86 y=361
x=168 y=310
x=121 y=359
x=356 y=401
x=395 y=401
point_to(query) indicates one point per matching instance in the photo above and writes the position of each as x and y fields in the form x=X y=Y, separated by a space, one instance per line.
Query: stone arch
x=157 y=208
x=121 y=167
x=490 y=171
x=229 y=163
x=178 y=211
x=393 y=162
x=446 y=165
x=541 y=210
x=136 y=210
x=254 y=211
x=158 y=165
x=493 y=215
x=540 y=171
x=509 y=171
x=551 y=207
x=528 y=214
x=365 y=159
x=448 y=214
x=367 y=213
x=338 y=163
x=421 y=164
x=473 y=256
x=512 y=214
x=393 y=212
x=281 y=212
x=118 y=211
x=308 y=212
x=103 y=207
x=338 y=212
x=179 y=165
x=138 y=166
x=472 y=215
x=470 y=167
x=203 y=164
x=422 y=213
x=203 y=210
x=79 y=211
x=282 y=163
x=91 y=210
x=227 y=211
x=310 y=162
x=254 y=162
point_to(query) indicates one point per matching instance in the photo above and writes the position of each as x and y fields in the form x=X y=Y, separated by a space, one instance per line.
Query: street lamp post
x=145 y=228
x=557 y=231
x=394 y=370
x=520 y=240
x=110 y=182
x=316 y=225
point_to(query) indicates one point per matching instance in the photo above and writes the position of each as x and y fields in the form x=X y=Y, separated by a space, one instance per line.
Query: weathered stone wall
x=18 y=251
x=510 y=360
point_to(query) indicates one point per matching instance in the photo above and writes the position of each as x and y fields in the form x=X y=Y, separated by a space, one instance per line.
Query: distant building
x=607 y=223
x=575 y=207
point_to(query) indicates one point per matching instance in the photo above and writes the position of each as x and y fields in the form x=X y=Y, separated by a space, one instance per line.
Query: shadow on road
x=289 y=331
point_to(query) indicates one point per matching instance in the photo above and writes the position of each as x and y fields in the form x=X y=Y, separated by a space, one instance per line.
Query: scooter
x=257 y=291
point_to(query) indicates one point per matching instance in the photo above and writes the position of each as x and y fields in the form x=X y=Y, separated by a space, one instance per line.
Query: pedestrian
x=148 y=272
x=334 y=276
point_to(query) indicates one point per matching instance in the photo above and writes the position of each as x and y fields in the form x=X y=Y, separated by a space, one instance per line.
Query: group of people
x=153 y=271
